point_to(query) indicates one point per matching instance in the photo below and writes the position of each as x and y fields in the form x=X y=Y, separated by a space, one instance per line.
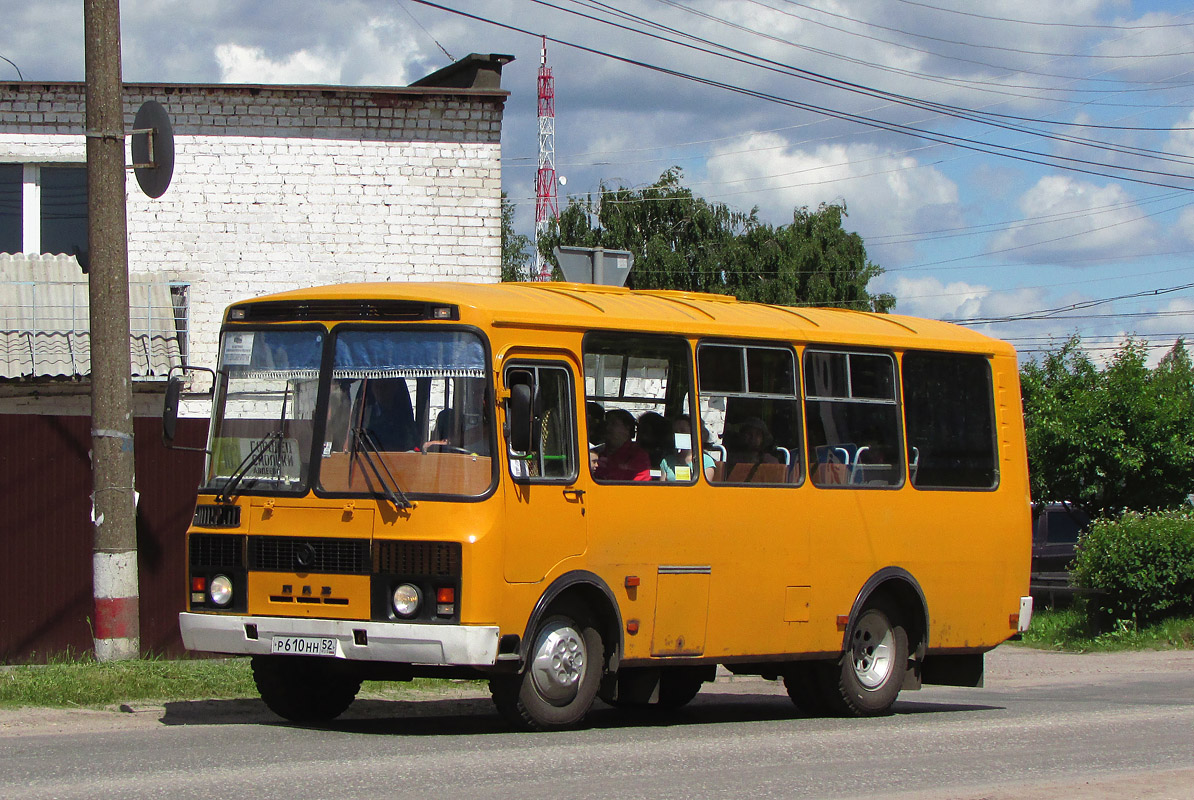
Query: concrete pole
x=114 y=561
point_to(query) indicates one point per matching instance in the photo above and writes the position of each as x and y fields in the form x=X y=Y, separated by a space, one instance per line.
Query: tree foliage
x=1120 y=437
x=516 y=254
x=685 y=242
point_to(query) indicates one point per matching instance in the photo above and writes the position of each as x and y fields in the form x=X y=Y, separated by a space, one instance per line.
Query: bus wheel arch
x=585 y=590
x=887 y=629
x=896 y=589
x=569 y=647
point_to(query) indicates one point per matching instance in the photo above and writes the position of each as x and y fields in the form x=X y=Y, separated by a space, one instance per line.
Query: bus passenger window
x=750 y=414
x=637 y=389
x=853 y=419
x=950 y=414
x=549 y=454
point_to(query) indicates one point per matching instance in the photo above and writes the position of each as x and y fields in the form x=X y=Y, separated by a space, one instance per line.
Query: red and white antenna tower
x=546 y=205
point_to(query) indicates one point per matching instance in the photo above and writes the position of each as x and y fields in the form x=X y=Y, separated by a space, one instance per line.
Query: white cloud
x=1083 y=219
x=884 y=191
x=1182 y=141
x=1185 y=225
x=932 y=298
x=239 y=64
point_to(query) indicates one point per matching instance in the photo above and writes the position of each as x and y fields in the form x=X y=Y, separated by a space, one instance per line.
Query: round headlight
x=406 y=600
x=220 y=590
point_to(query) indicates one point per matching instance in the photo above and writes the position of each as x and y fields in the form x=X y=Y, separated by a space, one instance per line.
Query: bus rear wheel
x=868 y=677
x=304 y=690
x=556 y=687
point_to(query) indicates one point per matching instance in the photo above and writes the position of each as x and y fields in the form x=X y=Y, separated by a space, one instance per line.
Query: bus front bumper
x=390 y=642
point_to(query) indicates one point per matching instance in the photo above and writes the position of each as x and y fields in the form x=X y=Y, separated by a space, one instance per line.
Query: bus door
x=545 y=508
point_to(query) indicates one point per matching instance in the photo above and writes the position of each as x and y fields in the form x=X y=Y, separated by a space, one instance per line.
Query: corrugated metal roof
x=586 y=307
x=45 y=320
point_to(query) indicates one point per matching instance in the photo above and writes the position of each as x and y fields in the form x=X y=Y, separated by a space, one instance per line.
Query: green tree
x=685 y=242
x=1116 y=438
x=516 y=255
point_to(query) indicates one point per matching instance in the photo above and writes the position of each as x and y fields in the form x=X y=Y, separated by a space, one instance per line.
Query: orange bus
x=581 y=492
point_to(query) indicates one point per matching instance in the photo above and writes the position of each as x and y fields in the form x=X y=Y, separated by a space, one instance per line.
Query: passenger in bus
x=750 y=449
x=753 y=444
x=620 y=458
x=677 y=466
x=389 y=417
x=595 y=422
x=655 y=436
x=471 y=437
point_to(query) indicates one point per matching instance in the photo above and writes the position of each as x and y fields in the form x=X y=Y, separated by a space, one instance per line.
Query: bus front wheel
x=867 y=679
x=304 y=689
x=559 y=681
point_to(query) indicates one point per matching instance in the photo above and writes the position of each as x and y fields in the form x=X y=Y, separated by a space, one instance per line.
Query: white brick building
x=274 y=187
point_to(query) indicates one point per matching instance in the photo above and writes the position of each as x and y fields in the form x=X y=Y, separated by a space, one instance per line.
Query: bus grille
x=417 y=558
x=217 y=516
x=287 y=554
x=217 y=550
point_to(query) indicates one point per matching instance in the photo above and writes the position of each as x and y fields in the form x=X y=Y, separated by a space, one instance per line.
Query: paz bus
x=579 y=492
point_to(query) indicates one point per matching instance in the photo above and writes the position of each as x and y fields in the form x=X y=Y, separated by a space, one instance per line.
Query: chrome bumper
x=392 y=642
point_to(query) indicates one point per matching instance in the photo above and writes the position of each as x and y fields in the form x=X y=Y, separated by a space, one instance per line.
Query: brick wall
x=280 y=187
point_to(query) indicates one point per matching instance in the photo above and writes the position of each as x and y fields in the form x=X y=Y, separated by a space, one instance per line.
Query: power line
x=1039 y=23
x=14 y=66
x=1052 y=313
x=966 y=143
x=1018 y=51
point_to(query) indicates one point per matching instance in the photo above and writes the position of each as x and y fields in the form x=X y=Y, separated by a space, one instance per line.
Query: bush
x=1139 y=568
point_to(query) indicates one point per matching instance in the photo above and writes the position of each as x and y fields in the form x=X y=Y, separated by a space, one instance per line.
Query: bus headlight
x=220 y=590
x=406 y=600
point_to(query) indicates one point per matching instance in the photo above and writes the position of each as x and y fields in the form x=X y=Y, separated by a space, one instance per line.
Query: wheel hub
x=558 y=664
x=872 y=651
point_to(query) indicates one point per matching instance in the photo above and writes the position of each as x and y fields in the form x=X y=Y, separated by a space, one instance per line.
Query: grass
x=85 y=683
x=82 y=682
x=1072 y=629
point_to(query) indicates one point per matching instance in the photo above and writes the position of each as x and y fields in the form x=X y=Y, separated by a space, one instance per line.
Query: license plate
x=304 y=645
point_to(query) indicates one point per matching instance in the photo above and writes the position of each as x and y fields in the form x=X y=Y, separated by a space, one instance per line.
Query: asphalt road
x=1046 y=725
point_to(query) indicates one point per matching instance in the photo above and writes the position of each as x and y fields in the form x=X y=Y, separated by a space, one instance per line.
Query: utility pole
x=114 y=560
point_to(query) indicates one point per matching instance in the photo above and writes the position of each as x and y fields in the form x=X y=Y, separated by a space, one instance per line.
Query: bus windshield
x=263 y=415
x=408 y=413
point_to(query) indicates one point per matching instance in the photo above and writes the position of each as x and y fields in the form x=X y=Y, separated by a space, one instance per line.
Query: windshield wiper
x=247 y=463
x=372 y=456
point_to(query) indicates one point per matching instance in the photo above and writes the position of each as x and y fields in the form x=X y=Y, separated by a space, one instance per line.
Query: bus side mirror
x=173 y=398
x=518 y=417
x=170 y=410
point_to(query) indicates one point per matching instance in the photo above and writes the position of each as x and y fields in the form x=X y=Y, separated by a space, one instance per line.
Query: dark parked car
x=1055 y=531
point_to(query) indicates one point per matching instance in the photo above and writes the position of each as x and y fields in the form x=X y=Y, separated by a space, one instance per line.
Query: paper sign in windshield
x=279 y=462
x=238 y=349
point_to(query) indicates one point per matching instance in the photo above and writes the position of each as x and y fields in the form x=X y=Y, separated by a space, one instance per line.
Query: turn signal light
x=198 y=584
x=445 y=594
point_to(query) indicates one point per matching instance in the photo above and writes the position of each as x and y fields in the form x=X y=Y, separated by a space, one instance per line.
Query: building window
x=10 y=208
x=43 y=209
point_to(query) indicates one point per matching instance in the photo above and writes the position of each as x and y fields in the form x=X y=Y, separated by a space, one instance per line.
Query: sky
x=1025 y=168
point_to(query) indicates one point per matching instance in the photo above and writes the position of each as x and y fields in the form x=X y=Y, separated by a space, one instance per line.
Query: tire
x=677 y=689
x=868 y=677
x=556 y=687
x=806 y=688
x=304 y=690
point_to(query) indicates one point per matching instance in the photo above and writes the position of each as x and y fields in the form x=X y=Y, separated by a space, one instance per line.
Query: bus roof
x=571 y=306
